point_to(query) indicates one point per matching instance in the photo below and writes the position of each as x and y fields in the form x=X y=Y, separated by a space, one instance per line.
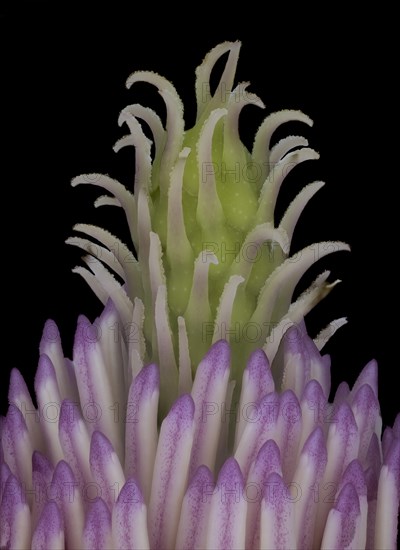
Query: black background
x=63 y=85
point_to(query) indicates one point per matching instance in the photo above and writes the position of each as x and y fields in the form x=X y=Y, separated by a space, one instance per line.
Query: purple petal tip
x=98 y=525
x=81 y=334
x=289 y=407
x=41 y=464
x=182 y=412
x=365 y=399
x=201 y=479
x=63 y=475
x=349 y=506
x=313 y=394
x=267 y=409
x=101 y=448
x=49 y=528
x=373 y=458
x=269 y=457
x=369 y=375
x=371 y=480
x=13 y=494
x=341 y=394
x=17 y=387
x=130 y=496
x=257 y=364
x=392 y=461
x=268 y=460
x=44 y=372
x=15 y=422
x=129 y=517
x=297 y=341
x=344 y=421
x=5 y=473
x=315 y=448
x=354 y=474
x=275 y=490
x=217 y=358
x=69 y=416
x=396 y=426
x=147 y=381
x=52 y=518
x=108 y=311
x=50 y=335
x=230 y=475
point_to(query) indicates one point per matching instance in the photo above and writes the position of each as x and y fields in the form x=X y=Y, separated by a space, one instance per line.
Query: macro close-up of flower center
x=196 y=411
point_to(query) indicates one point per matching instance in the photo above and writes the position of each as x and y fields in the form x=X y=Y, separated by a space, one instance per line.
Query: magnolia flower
x=194 y=412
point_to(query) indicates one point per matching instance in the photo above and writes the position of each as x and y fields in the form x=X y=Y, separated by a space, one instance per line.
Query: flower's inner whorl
x=211 y=260
x=165 y=430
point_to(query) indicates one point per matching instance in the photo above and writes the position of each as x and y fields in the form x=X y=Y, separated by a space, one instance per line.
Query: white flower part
x=284 y=146
x=224 y=313
x=198 y=309
x=15 y=525
x=277 y=516
x=287 y=275
x=125 y=198
x=143 y=230
x=252 y=246
x=152 y=120
x=97 y=533
x=142 y=146
x=75 y=440
x=171 y=473
x=166 y=354
x=257 y=382
x=93 y=283
x=69 y=500
x=309 y=471
x=49 y=532
x=388 y=497
x=185 y=373
x=192 y=531
x=129 y=519
x=49 y=400
x=326 y=333
x=261 y=417
x=205 y=101
x=238 y=99
x=106 y=200
x=227 y=520
x=179 y=250
x=16 y=446
x=296 y=207
x=137 y=343
x=99 y=252
x=20 y=398
x=274 y=180
x=175 y=124
x=209 y=209
x=121 y=255
x=209 y=394
x=156 y=268
x=112 y=288
x=141 y=427
x=268 y=461
x=261 y=147
x=199 y=187
x=295 y=316
x=175 y=129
